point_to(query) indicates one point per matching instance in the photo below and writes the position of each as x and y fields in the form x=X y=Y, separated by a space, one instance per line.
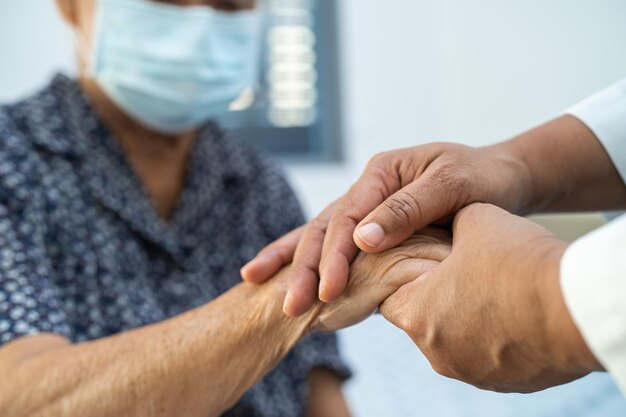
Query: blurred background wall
x=413 y=71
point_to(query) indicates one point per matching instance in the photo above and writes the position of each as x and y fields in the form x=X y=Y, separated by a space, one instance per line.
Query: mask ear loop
x=263 y=26
x=86 y=51
x=249 y=97
x=81 y=46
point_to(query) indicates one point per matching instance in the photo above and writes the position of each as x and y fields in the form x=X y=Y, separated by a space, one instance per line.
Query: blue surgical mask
x=172 y=68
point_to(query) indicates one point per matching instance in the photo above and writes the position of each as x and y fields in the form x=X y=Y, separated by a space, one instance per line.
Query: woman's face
x=80 y=13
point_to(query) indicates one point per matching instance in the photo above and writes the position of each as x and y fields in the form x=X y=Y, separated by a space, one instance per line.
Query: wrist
x=513 y=174
x=565 y=344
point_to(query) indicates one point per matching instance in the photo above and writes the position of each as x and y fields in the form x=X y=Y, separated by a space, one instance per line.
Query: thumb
x=415 y=206
x=405 y=308
x=478 y=217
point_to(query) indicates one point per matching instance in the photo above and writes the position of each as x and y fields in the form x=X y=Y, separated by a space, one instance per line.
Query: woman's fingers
x=272 y=258
x=432 y=242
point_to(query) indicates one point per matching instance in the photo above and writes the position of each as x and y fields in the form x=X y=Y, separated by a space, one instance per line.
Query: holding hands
x=399 y=193
x=489 y=310
x=453 y=297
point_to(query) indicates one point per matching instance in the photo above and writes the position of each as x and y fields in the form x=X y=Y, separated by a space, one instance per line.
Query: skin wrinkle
x=375 y=284
x=524 y=177
x=408 y=205
x=391 y=180
x=408 y=171
x=549 y=199
x=380 y=275
x=347 y=214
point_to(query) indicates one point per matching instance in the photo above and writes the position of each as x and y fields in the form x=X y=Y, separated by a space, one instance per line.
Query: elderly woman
x=125 y=216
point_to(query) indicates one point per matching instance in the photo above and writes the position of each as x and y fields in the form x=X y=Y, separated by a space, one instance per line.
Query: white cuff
x=593 y=281
x=605 y=114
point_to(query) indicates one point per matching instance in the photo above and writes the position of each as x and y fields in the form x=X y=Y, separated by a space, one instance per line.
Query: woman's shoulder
x=24 y=162
x=246 y=162
x=13 y=140
x=18 y=153
x=39 y=122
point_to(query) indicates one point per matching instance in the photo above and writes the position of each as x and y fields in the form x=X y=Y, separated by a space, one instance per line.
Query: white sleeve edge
x=604 y=113
x=593 y=281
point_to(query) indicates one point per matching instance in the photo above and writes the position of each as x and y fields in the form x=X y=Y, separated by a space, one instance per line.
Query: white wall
x=413 y=71
x=471 y=71
x=34 y=43
x=510 y=64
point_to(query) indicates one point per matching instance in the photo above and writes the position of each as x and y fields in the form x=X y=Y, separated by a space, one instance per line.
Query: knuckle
x=462 y=373
x=404 y=320
x=445 y=366
x=453 y=177
x=379 y=158
x=362 y=265
x=269 y=251
x=491 y=386
x=396 y=311
x=318 y=224
x=273 y=251
x=345 y=213
x=406 y=323
x=442 y=369
x=385 y=163
x=404 y=208
x=303 y=274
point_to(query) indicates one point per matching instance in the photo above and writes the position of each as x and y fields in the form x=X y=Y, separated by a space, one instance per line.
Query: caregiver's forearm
x=196 y=364
x=569 y=168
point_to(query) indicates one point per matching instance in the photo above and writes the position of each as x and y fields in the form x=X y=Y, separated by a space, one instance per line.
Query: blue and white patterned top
x=83 y=253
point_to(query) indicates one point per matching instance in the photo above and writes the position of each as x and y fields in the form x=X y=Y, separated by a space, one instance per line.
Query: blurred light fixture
x=291 y=76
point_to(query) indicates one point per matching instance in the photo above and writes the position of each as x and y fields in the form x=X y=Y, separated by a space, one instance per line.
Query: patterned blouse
x=83 y=253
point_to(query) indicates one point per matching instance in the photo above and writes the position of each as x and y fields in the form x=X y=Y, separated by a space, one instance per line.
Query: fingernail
x=246 y=268
x=322 y=290
x=372 y=234
x=243 y=270
x=287 y=303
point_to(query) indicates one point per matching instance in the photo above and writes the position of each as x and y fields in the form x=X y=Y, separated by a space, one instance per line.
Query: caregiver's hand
x=492 y=314
x=374 y=277
x=557 y=166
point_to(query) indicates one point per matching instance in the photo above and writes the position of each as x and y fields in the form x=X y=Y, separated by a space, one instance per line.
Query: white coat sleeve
x=605 y=114
x=593 y=280
x=593 y=269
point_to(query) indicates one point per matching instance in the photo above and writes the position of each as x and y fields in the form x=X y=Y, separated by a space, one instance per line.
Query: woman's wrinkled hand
x=375 y=277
